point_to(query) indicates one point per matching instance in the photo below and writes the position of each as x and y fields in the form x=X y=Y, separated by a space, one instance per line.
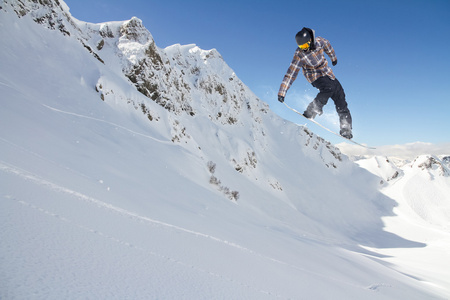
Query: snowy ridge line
x=8 y=168
x=4 y=84
x=14 y=89
x=130 y=245
x=110 y=123
x=42 y=158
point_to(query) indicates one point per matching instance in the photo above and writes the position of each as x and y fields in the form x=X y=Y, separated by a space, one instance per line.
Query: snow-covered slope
x=422 y=183
x=421 y=187
x=130 y=171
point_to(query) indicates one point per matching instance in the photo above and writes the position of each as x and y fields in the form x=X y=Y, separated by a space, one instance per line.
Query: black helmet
x=303 y=36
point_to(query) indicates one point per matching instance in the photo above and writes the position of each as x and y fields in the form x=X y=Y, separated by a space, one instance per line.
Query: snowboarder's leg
x=345 y=118
x=325 y=87
x=313 y=109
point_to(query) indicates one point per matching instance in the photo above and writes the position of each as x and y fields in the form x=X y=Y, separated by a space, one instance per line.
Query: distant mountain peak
x=431 y=163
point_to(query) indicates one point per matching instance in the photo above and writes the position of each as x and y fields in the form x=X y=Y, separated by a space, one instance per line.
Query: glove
x=334 y=62
x=281 y=99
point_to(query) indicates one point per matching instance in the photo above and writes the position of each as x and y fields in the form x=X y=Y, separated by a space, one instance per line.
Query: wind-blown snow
x=130 y=171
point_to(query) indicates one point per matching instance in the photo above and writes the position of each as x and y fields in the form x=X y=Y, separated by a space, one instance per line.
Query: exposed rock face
x=431 y=163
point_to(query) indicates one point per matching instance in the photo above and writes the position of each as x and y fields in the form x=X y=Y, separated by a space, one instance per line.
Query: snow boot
x=346 y=125
x=347 y=133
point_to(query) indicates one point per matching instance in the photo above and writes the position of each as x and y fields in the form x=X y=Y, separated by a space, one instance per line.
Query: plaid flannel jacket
x=313 y=63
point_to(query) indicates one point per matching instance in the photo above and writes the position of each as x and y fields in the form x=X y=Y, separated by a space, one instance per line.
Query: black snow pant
x=329 y=88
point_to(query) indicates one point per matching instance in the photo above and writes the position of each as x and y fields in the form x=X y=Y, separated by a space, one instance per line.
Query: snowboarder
x=310 y=57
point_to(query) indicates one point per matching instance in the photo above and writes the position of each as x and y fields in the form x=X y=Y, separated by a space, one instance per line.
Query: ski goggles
x=304 y=46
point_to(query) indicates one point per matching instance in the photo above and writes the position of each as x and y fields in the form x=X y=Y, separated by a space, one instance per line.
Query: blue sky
x=393 y=55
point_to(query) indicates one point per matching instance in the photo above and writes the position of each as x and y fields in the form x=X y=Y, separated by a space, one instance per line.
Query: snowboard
x=329 y=130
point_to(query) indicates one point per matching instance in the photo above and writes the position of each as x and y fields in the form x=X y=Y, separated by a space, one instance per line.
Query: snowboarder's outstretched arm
x=290 y=76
